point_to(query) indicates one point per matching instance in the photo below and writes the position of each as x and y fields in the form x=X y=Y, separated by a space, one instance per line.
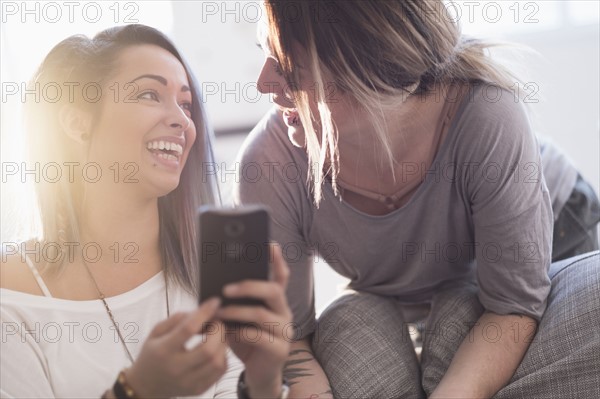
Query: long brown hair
x=83 y=60
x=378 y=52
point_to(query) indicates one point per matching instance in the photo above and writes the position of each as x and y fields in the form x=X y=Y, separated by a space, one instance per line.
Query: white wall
x=569 y=83
x=219 y=39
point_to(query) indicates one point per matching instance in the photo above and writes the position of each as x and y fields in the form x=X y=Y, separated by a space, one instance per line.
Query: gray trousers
x=364 y=345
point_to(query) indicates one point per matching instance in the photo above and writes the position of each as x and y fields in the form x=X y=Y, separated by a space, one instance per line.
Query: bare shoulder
x=15 y=274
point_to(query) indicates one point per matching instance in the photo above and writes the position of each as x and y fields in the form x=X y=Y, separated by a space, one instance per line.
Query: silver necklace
x=101 y=296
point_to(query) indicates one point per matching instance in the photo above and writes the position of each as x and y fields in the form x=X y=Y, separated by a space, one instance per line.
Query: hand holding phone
x=263 y=341
x=235 y=252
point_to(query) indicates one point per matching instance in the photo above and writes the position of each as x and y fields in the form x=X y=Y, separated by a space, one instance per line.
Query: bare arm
x=305 y=376
x=488 y=357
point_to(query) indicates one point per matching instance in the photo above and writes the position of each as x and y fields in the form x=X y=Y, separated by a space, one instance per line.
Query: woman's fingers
x=271 y=293
x=210 y=349
x=164 y=364
x=202 y=365
x=193 y=323
x=260 y=337
x=252 y=315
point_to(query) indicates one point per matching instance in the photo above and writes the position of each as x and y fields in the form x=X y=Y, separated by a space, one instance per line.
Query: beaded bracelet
x=122 y=389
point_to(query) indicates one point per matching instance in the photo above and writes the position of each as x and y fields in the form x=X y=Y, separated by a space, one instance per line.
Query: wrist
x=127 y=386
x=271 y=390
x=274 y=387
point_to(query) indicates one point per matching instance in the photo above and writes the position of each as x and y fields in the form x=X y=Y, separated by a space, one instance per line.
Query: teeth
x=165 y=145
x=167 y=156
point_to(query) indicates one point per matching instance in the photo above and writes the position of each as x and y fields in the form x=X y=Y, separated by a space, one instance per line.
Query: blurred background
x=219 y=40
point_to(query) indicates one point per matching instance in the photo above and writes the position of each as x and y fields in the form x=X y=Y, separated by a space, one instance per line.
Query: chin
x=164 y=187
x=297 y=136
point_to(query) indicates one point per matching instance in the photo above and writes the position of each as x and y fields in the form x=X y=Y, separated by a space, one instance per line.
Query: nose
x=269 y=81
x=177 y=118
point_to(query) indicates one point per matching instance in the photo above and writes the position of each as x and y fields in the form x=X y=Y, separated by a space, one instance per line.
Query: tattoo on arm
x=291 y=369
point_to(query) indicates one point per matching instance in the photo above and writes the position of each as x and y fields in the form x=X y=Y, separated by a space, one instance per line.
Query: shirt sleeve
x=510 y=205
x=270 y=175
x=23 y=372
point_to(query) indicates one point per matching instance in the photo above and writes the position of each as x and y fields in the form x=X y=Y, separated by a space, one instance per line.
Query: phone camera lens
x=234 y=228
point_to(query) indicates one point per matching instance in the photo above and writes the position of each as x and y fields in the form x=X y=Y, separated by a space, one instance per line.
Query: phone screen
x=234 y=246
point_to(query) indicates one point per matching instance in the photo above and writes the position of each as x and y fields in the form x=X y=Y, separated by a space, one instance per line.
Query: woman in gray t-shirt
x=403 y=156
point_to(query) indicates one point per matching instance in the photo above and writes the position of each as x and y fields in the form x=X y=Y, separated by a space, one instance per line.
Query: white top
x=58 y=348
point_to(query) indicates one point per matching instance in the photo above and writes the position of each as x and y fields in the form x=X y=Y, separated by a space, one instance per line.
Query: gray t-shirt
x=559 y=173
x=481 y=214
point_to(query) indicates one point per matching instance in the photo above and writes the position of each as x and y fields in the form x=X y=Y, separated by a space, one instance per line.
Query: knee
x=356 y=317
x=365 y=349
x=358 y=307
x=575 y=292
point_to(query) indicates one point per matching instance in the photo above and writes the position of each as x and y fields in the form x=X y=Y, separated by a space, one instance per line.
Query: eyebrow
x=159 y=79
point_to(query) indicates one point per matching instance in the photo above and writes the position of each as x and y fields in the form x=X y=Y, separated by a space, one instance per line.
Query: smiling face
x=144 y=132
x=271 y=80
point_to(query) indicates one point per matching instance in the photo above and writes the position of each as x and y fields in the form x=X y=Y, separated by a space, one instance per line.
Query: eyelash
x=187 y=106
x=276 y=65
x=278 y=70
x=154 y=95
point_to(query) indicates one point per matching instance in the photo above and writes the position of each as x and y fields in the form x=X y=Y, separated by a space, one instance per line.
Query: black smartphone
x=234 y=246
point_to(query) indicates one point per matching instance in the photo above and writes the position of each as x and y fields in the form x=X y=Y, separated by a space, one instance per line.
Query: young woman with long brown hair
x=105 y=301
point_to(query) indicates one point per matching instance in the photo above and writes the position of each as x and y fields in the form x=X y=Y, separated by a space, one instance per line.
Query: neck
x=412 y=114
x=126 y=230
x=409 y=127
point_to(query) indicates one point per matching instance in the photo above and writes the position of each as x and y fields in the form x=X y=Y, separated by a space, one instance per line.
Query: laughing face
x=271 y=80
x=145 y=128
